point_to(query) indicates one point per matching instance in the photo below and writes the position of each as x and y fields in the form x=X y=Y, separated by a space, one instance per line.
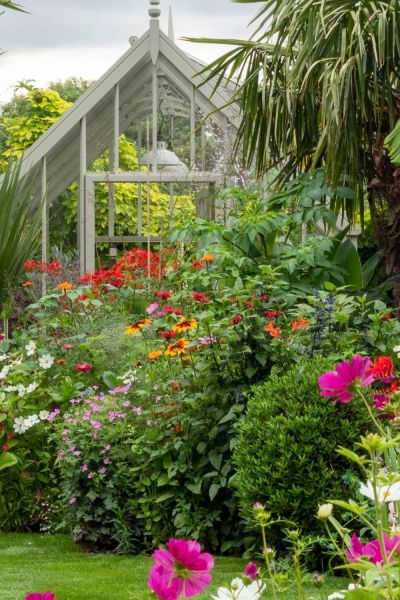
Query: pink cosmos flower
x=207 y=341
x=83 y=367
x=251 y=571
x=45 y=596
x=181 y=570
x=339 y=384
x=372 y=550
x=152 y=308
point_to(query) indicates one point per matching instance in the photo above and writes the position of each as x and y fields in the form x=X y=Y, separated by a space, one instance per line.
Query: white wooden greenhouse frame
x=128 y=93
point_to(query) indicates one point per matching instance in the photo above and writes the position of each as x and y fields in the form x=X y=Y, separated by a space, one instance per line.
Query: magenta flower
x=83 y=367
x=45 y=596
x=372 y=550
x=340 y=384
x=181 y=570
x=251 y=571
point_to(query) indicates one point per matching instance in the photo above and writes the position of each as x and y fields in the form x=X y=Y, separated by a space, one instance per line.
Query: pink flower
x=251 y=571
x=152 y=308
x=340 y=384
x=83 y=367
x=207 y=341
x=36 y=596
x=181 y=570
x=72 y=500
x=372 y=550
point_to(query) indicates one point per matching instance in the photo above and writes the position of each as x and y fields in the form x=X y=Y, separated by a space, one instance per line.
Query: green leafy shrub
x=286 y=453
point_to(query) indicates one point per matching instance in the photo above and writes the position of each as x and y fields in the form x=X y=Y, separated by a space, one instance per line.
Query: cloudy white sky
x=83 y=38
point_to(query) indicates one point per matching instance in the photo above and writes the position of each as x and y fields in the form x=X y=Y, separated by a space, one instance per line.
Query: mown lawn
x=39 y=562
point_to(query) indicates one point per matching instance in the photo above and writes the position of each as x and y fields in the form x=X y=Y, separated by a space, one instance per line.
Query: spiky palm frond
x=319 y=83
x=19 y=229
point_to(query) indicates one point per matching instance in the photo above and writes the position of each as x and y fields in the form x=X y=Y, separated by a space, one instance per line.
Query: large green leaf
x=348 y=258
x=7 y=460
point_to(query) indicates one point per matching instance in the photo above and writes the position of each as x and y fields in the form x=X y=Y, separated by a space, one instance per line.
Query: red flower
x=271 y=314
x=163 y=295
x=202 y=298
x=54 y=267
x=68 y=346
x=83 y=367
x=27 y=284
x=9 y=435
x=264 y=298
x=236 y=319
x=387 y=316
x=29 y=265
x=196 y=264
x=5 y=447
x=249 y=303
x=382 y=367
x=168 y=335
x=41 y=267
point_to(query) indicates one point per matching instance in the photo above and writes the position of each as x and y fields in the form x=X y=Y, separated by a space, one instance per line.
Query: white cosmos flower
x=30 y=348
x=240 y=591
x=20 y=425
x=336 y=596
x=31 y=387
x=386 y=493
x=3 y=357
x=31 y=420
x=43 y=414
x=5 y=371
x=46 y=361
x=21 y=390
x=11 y=388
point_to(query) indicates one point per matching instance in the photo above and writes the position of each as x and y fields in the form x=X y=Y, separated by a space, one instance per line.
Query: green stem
x=268 y=564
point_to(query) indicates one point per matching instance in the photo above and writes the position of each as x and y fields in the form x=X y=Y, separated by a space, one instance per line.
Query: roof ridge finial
x=154 y=10
x=171 y=33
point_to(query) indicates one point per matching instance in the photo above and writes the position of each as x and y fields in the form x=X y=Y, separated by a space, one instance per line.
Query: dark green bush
x=286 y=454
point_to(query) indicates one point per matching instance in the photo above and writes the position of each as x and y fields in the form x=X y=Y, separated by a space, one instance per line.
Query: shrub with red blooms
x=133 y=265
x=202 y=298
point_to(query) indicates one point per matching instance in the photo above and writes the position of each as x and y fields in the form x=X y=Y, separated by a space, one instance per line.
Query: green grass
x=38 y=563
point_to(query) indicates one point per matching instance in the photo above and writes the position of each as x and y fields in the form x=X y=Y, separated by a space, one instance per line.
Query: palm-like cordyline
x=319 y=84
x=19 y=229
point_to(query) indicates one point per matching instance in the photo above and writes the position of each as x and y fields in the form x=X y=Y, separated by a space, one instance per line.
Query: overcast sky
x=61 y=38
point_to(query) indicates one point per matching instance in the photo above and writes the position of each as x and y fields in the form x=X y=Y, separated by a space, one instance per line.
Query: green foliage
x=19 y=229
x=286 y=453
x=41 y=109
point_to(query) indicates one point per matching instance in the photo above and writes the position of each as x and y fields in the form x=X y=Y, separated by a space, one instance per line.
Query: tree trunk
x=387 y=226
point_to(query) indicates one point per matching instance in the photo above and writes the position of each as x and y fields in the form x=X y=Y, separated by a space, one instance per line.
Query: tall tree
x=319 y=85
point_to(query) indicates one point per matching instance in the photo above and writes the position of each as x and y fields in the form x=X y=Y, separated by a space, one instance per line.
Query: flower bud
x=251 y=571
x=325 y=511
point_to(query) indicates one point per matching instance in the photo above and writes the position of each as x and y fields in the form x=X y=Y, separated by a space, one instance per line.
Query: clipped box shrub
x=286 y=453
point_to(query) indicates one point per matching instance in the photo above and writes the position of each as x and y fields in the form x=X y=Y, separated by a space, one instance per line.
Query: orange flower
x=301 y=323
x=155 y=354
x=27 y=284
x=65 y=285
x=136 y=327
x=272 y=330
x=178 y=347
x=207 y=258
x=185 y=325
